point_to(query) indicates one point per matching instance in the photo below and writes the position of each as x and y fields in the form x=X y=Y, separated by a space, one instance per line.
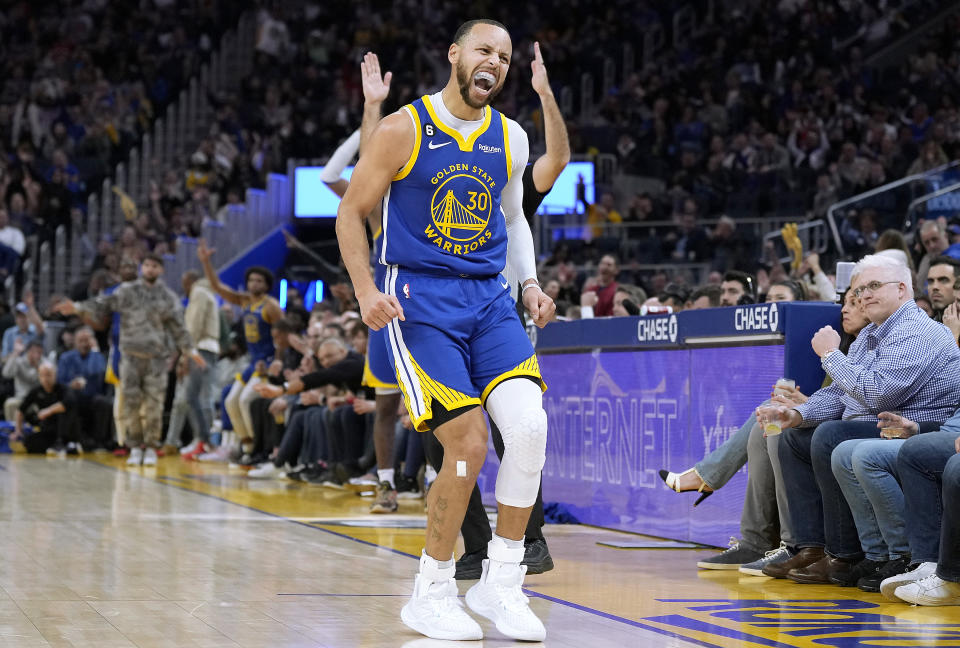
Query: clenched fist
x=825 y=340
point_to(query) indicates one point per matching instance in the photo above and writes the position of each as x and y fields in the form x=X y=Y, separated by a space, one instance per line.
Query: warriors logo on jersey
x=461 y=179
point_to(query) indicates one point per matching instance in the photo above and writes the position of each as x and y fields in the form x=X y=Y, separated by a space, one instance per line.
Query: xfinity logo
x=657 y=329
x=754 y=318
x=490 y=149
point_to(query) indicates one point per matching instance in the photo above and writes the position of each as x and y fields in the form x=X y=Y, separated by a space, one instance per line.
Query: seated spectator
x=704 y=297
x=941 y=282
x=12 y=245
x=815 y=281
x=737 y=288
x=933 y=238
x=82 y=370
x=27 y=327
x=341 y=369
x=785 y=290
x=22 y=368
x=48 y=408
x=928 y=467
x=766 y=507
x=674 y=296
x=732 y=249
x=689 y=241
x=627 y=300
x=598 y=291
x=902 y=361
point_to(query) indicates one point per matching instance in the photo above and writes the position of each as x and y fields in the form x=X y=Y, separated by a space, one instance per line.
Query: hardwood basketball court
x=186 y=554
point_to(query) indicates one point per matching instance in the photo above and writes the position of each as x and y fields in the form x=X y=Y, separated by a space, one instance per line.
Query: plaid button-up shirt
x=910 y=363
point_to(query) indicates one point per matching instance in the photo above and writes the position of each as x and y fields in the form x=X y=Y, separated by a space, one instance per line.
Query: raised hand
x=825 y=340
x=204 y=253
x=375 y=87
x=951 y=319
x=539 y=80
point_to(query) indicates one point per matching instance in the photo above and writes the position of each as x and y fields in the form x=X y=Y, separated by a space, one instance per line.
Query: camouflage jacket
x=147 y=315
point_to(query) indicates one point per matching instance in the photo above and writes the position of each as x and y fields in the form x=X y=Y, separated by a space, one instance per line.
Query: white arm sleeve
x=521 y=257
x=341 y=158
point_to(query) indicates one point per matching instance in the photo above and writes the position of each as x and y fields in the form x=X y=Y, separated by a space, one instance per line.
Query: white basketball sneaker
x=889 y=586
x=931 y=590
x=498 y=595
x=434 y=608
x=136 y=457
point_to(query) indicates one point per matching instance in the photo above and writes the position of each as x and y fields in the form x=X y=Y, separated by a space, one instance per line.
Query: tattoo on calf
x=436 y=517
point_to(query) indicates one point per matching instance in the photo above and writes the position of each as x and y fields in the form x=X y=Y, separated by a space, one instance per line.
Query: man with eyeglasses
x=901 y=361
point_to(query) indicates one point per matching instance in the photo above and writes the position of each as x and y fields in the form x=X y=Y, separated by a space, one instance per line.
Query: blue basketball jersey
x=441 y=213
x=256 y=330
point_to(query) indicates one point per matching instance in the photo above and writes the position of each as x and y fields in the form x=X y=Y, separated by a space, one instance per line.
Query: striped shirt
x=909 y=363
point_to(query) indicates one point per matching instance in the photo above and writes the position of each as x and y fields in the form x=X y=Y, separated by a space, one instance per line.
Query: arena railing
x=942 y=202
x=884 y=196
x=573 y=226
x=172 y=137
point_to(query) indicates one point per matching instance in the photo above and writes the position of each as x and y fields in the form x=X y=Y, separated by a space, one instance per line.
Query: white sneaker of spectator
x=932 y=590
x=187 y=449
x=219 y=455
x=888 y=586
x=136 y=457
x=150 y=457
x=364 y=480
x=269 y=471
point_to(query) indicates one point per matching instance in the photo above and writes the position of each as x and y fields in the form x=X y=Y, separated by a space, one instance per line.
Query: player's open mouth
x=484 y=82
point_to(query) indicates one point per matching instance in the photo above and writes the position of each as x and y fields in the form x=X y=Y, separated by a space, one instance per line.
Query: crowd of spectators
x=728 y=132
x=81 y=83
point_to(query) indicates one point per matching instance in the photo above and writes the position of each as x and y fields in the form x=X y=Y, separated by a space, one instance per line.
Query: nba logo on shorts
x=406 y=290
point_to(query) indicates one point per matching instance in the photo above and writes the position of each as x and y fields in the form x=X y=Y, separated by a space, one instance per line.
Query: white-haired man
x=901 y=361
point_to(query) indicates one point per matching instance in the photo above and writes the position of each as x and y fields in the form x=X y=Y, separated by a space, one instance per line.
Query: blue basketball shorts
x=461 y=337
x=378 y=366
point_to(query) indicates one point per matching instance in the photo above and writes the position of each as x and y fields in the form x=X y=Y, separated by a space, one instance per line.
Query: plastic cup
x=782 y=383
x=892 y=429
x=771 y=423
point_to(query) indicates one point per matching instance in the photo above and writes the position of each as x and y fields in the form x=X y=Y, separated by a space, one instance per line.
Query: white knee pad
x=524 y=453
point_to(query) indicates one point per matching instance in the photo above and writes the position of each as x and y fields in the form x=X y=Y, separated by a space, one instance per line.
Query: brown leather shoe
x=819 y=573
x=806 y=556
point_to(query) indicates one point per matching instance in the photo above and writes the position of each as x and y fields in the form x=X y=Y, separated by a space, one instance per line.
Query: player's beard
x=465 y=81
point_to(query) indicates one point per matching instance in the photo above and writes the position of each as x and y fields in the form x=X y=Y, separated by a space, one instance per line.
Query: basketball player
x=538 y=179
x=450 y=171
x=377 y=372
x=260 y=311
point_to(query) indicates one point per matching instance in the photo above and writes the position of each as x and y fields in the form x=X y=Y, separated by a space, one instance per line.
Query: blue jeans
x=200 y=396
x=765 y=506
x=920 y=464
x=819 y=514
x=304 y=440
x=178 y=415
x=948 y=566
x=719 y=467
x=866 y=470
